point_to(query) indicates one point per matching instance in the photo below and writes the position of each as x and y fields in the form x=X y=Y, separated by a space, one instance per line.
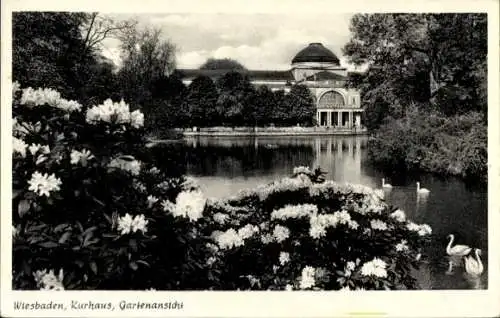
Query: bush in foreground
x=91 y=211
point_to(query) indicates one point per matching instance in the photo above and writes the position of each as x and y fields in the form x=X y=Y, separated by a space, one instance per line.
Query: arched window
x=331 y=99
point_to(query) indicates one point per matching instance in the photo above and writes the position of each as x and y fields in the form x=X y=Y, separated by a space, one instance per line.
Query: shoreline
x=270 y=131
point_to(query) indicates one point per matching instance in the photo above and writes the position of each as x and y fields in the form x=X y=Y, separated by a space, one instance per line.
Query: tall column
x=350 y=119
x=339 y=119
x=329 y=118
x=317 y=117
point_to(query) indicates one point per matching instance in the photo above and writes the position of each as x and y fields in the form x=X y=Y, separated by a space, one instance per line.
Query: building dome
x=316 y=52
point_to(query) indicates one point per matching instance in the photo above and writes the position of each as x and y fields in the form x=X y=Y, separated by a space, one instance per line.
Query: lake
x=223 y=166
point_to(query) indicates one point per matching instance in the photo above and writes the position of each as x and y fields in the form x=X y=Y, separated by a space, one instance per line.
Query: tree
x=222 y=64
x=300 y=105
x=264 y=103
x=201 y=101
x=98 y=27
x=234 y=102
x=407 y=52
x=147 y=57
x=46 y=49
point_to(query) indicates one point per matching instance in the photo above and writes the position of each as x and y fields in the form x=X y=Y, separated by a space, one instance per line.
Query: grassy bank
x=427 y=141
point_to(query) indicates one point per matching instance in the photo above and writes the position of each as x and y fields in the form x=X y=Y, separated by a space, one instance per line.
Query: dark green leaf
x=23 y=207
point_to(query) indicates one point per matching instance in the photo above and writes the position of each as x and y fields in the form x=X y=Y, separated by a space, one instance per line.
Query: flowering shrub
x=91 y=211
x=296 y=234
x=87 y=210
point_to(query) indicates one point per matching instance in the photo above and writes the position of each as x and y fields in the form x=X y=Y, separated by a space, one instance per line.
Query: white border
x=265 y=304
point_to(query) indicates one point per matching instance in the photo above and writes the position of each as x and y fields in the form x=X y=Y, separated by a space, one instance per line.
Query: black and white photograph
x=329 y=151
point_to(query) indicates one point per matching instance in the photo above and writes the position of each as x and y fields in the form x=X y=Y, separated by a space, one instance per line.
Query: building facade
x=319 y=69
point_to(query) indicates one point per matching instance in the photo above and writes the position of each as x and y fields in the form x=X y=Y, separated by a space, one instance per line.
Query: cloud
x=258 y=41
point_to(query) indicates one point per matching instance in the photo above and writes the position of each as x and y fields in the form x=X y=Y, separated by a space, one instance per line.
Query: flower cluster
x=47 y=96
x=294 y=211
x=44 y=184
x=421 y=229
x=126 y=163
x=116 y=113
x=127 y=224
x=19 y=146
x=151 y=200
x=378 y=225
x=232 y=238
x=284 y=258
x=398 y=215
x=375 y=267
x=319 y=223
x=302 y=170
x=49 y=281
x=307 y=279
x=81 y=157
x=281 y=233
x=188 y=204
x=402 y=246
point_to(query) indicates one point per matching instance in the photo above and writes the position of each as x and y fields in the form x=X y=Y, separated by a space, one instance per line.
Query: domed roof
x=316 y=52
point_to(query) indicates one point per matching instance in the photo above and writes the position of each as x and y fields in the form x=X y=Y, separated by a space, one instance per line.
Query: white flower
x=294 y=211
x=133 y=166
x=126 y=224
x=398 y=215
x=284 y=258
x=319 y=224
x=136 y=119
x=49 y=281
x=220 y=217
x=15 y=232
x=188 y=204
x=281 y=233
x=345 y=288
x=83 y=156
x=139 y=224
x=403 y=246
x=413 y=227
x=342 y=217
x=152 y=200
x=375 y=267
x=248 y=231
x=44 y=184
x=19 y=146
x=228 y=239
x=47 y=96
x=116 y=113
x=379 y=193
x=353 y=225
x=350 y=266
x=307 y=278
x=33 y=148
x=266 y=238
x=288 y=287
x=302 y=169
x=424 y=229
x=211 y=260
x=190 y=183
x=378 y=225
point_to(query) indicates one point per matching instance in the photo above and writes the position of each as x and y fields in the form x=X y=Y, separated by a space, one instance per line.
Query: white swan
x=386 y=185
x=421 y=190
x=474 y=267
x=457 y=250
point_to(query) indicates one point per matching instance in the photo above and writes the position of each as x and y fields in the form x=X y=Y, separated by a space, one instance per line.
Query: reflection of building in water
x=339 y=156
x=318 y=68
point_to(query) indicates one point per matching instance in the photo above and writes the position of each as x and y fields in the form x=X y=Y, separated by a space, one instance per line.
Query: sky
x=258 y=41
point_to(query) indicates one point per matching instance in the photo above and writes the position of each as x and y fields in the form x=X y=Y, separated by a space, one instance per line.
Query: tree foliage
x=438 y=59
x=222 y=64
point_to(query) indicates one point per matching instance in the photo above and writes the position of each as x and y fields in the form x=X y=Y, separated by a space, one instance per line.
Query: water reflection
x=223 y=166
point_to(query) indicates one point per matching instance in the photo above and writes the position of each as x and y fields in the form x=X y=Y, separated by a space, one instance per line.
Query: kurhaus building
x=319 y=69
